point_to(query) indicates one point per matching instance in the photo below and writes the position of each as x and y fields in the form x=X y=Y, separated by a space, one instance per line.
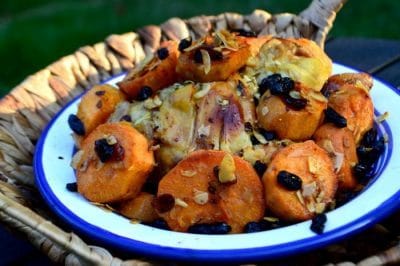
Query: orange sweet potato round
x=123 y=173
x=156 y=74
x=314 y=167
x=97 y=105
x=222 y=63
x=340 y=145
x=193 y=181
x=274 y=115
x=139 y=208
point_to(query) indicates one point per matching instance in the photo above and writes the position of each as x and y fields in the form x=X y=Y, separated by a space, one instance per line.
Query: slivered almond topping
x=382 y=117
x=194 y=46
x=200 y=197
x=338 y=161
x=295 y=94
x=300 y=197
x=206 y=61
x=205 y=88
x=271 y=219
x=111 y=140
x=309 y=189
x=318 y=96
x=320 y=207
x=227 y=169
x=310 y=206
x=260 y=137
x=320 y=197
x=264 y=110
x=76 y=159
x=188 y=173
x=181 y=203
x=328 y=145
x=203 y=131
x=313 y=165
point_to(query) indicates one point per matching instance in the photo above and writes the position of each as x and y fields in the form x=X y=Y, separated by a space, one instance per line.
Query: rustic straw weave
x=29 y=106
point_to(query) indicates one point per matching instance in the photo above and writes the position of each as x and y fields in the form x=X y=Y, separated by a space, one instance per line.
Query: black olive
x=318 y=223
x=260 y=168
x=162 y=53
x=361 y=170
x=276 y=84
x=158 y=223
x=184 y=43
x=144 y=93
x=103 y=150
x=334 y=117
x=294 y=103
x=344 y=197
x=370 y=137
x=289 y=181
x=210 y=229
x=72 y=187
x=245 y=33
x=287 y=84
x=76 y=125
x=253 y=227
x=268 y=135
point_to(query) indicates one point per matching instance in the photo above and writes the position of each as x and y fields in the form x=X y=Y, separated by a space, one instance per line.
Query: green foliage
x=34 y=33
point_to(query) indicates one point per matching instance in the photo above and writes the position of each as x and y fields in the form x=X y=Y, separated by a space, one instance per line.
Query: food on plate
x=113 y=163
x=340 y=144
x=287 y=113
x=353 y=102
x=95 y=107
x=139 y=208
x=210 y=186
x=227 y=134
x=300 y=182
x=153 y=74
x=215 y=57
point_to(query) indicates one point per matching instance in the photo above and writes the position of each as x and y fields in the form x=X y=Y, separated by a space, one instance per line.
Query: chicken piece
x=339 y=143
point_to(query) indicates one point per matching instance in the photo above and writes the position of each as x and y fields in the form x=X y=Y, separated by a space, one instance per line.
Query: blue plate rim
x=185 y=254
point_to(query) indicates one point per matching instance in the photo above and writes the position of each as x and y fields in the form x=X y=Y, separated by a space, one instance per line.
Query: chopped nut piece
x=227 y=169
x=271 y=219
x=300 y=197
x=181 y=203
x=200 y=197
x=188 y=173
x=320 y=207
x=205 y=88
x=76 y=159
x=111 y=140
x=339 y=159
x=260 y=137
x=264 y=110
x=310 y=206
x=313 y=165
x=206 y=61
x=309 y=189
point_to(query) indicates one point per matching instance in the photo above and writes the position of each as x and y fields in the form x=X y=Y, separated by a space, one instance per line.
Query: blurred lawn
x=34 y=33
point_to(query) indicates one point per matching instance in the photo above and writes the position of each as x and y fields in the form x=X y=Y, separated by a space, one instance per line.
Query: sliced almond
x=181 y=203
x=188 y=173
x=206 y=61
x=200 y=197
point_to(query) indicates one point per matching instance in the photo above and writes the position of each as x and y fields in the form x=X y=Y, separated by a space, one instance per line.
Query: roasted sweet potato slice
x=201 y=198
x=213 y=58
x=157 y=72
x=313 y=166
x=334 y=82
x=339 y=143
x=139 y=208
x=114 y=163
x=97 y=105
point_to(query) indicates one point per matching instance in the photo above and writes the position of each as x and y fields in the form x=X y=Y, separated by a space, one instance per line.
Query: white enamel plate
x=382 y=195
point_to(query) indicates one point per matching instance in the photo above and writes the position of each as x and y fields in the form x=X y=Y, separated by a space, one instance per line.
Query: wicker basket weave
x=28 y=107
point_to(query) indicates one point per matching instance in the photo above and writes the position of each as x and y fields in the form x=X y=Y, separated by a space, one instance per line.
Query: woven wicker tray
x=28 y=107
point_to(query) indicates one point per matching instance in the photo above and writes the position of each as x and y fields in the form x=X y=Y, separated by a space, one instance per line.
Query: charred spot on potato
x=144 y=93
x=72 y=187
x=106 y=151
x=245 y=33
x=185 y=43
x=210 y=229
x=289 y=181
x=334 y=117
x=260 y=168
x=164 y=203
x=318 y=223
x=162 y=53
x=76 y=125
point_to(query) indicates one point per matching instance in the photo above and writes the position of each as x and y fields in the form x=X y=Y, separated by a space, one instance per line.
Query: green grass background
x=34 y=33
